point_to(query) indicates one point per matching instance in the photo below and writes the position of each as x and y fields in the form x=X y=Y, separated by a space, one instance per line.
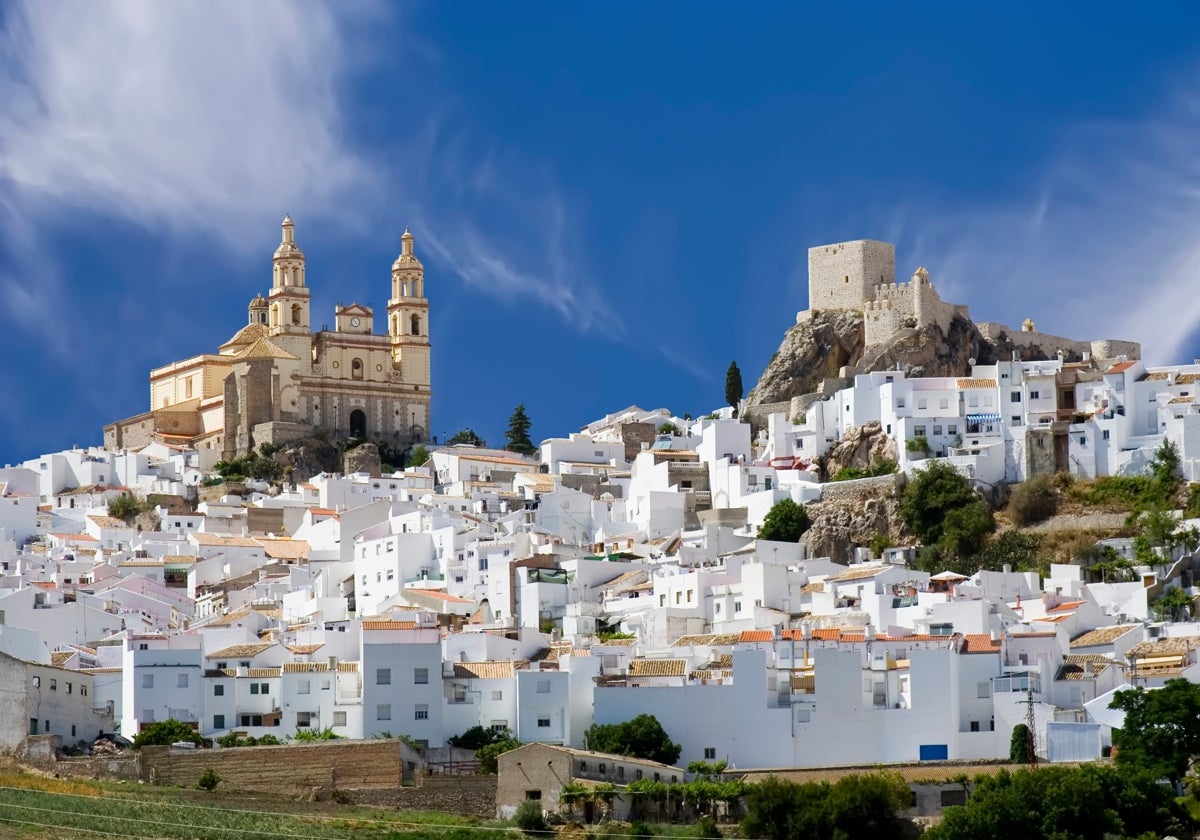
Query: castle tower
x=288 y=299
x=408 y=329
x=846 y=275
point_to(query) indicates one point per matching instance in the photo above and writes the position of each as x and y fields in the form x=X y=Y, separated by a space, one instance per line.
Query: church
x=276 y=380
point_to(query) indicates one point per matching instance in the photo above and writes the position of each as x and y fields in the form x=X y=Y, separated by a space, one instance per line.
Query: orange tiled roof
x=756 y=636
x=1102 y=635
x=235 y=651
x=971 y=382
x=1120 y=367
x=389 y=625
x=980 y=643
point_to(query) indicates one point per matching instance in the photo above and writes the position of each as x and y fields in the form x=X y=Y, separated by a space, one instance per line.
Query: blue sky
x=612 y=200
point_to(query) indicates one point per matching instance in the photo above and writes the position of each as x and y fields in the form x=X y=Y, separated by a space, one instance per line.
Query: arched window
x=356 y=369
x=416 y=325
x=296 y=312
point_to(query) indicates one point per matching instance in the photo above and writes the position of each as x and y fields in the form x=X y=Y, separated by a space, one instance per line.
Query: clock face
x=354 y=322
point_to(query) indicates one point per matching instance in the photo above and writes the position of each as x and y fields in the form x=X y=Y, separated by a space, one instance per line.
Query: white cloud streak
x=1103 y=243
x=204 y=117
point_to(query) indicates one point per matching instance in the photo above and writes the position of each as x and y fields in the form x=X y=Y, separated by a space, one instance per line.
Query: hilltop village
x=612 y=571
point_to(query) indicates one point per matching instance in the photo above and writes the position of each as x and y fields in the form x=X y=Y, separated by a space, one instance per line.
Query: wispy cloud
x=1101 y=241
x=199 y=116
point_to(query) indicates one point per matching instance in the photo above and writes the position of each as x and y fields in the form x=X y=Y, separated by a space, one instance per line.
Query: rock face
x=861 y=447
x=363 y=458
x=811 y=352
x=851 y=514
x=308 y=457
x=814 y=350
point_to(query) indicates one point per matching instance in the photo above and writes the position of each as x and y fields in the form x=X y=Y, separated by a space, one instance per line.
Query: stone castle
x=861 y=276
x=276 y=380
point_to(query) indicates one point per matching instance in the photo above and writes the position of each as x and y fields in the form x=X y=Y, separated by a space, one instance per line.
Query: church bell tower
x=408 y=329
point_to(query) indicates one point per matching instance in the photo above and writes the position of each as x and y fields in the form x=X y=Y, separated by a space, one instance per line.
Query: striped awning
x=983 y=418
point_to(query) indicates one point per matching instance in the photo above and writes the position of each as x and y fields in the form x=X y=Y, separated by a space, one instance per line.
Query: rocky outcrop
x=812 y=351
x=819 y=346
x=861 y=447
x=363 y=458
x=308 y=457
x=851 y=514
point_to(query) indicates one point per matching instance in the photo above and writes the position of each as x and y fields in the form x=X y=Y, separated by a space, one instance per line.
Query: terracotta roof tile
x=488 y=670
x=980 y=643
x=970 y=382
x=236 y=651
x=756 y=636
x=389 y=625
x=861 y=572
x=1102 y=636
x=657 y=667
x=1120 y=367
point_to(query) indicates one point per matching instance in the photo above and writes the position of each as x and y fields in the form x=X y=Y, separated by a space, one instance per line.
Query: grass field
x=32 y=806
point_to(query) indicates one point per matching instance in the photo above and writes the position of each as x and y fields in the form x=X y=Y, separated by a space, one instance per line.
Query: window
x=952 y=429
x=943 y=403
x=710 y=753
x=900 y=402
x=383 y=711
x=1016 y=420
x=603 y=767
x=83 y=691
x=543 y=722
x=1104 y=435
x=497 y=695
x=54 y=685
x=254 y=688
x=620 y=771
x=37 y=682
x=147 y=681
x=1033 y=395
x=737 y=606
x=421 y=676
x=689 y=598
x=181 y=680
x=339 y=718
x=1083 y=440
x=421 y=711
x=304 y=687
x=543 y=686
x=383 y=676
x=303 y=719
x=218 y=721
x=919 y=431
x=218 y=690
x=922 y=403
x=983 y=690
x=937 y=430
x=1015 y=396
x=533 y=795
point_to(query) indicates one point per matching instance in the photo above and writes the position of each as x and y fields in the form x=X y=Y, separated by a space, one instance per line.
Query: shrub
x=530 y=818
x=166 y=732
x=786 y=521
x=1020 y=748
x=1033 y=501
x=668 y=429
x=208 y=779
x=706 y=828
x=489 y=754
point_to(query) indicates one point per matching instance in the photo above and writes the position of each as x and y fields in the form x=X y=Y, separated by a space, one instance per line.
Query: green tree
x=530 y=818
x=1161 y=733
x=733 y=386
x=208 y=779
x=771 y=806
x=933 y=495
x=1033 y=501
x=125 y=507
x=466 y=436
x=641 y=737
x=1017 y=549
x=419 y=456
x=1020 y=746
x=517 y=436
x=1171 y=605
x=478 y=737
x=786 y=521
x=165 y=732
x=1164 y=468
x=489 y=754
x=1159 y=535
x=668 y=429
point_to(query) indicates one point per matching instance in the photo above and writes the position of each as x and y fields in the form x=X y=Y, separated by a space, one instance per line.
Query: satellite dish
x=971 y=361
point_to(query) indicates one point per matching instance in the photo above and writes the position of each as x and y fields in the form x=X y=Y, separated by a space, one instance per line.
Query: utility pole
x=1031 y=722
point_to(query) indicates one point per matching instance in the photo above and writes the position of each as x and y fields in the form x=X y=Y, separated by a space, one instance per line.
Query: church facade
x=276 y=380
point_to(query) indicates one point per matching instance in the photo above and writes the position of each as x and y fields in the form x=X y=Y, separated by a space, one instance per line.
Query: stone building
x=276 y=380
x=861 y=276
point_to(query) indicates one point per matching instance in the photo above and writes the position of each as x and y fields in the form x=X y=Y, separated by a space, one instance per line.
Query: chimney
x=333 y=663
x=995 y=635
x=869 y=632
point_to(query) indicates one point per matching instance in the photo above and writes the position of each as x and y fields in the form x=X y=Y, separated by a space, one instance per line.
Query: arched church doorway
x=358 y=423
